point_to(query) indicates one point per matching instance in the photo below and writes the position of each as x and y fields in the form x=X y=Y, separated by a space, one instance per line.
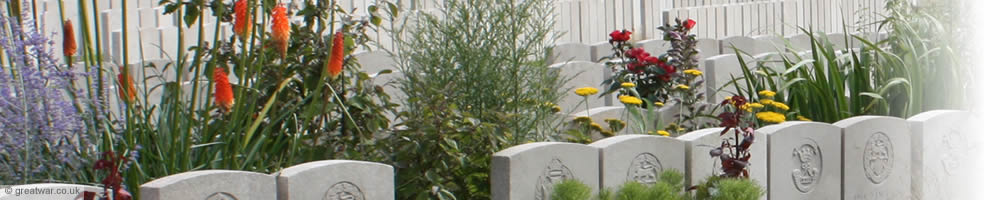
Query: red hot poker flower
x=241 y=24
x=280 y=31
x=223 y=91
x=126 y=88
x=689 y=24
x=336 y=62
x=69 y=39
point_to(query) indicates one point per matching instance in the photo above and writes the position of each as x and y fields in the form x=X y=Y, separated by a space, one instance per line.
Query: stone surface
x=720 y=70
x=639 y=158
x=708 y=48
x=701 y=165
x=799 y=42
x=47 y=191
x=211 y=185
x=803 y=160
x=946 y=155
x=570 y=52
x=767 y=44
x=529 y=171
x=743 y=43
x=655 y=47
x=337 y=179
x=876 y=158
x=580 y=74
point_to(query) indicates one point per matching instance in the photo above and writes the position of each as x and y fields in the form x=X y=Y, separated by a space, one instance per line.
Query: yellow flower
x=628 y=85
x=746 y=107
x=767 y=93
x=596 y=126
x=663 y=133
x=582 y=119
x=756 y=105
x=607 y=133
x=683 y=87
x=771 y=117
x=556 y=108
x=586 y=91
x=693 y=72
x=729 y=98
x=779 y=105
x=629 y=100
x=658 y=104
x=766 y=101
x=801 y=118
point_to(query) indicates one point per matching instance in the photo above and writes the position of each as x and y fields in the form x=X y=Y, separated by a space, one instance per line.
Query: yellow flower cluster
x=683 y=87
x=628 y=85
x=626 y=99
x=554 y=107
x=767 y=93
x=779 y=105
x=751 y=106
x=801 y=118
x=766 y=101
x=586 y=91
x=693 y=72
x=663 y=133
x=771 y=117
x=596 y=126
x=658 y=104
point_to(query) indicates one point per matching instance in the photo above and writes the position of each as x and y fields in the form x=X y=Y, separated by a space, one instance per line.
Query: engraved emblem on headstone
x=645 y=169
x=220 y=196
x=554 y=173
x=878 y=157
x=953 y=149
x=810 y=166
x=344 y=191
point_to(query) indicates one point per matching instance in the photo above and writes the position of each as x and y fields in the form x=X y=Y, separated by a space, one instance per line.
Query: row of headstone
x=932 y=155
x=329 y=179
x=744 y=18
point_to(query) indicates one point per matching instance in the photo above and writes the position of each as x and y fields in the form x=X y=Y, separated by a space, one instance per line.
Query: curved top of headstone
x=598 y=110
x=800 y=125
x=853 y=121
x=931 y=115
x=694 y=135
x=211 y=184
x=375 y=61
x=534 y=146
x=654 y=46
x=622 y=140
x=561 y=65
x=330 y=165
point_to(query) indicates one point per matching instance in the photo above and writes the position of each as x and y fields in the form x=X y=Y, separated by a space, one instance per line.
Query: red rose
x=688 y=24
x=668 y=69
x=620 y=36
x=636 y=53
x=651 y=60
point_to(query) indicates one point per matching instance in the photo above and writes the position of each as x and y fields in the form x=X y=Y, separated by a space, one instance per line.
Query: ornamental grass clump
x=474 y=77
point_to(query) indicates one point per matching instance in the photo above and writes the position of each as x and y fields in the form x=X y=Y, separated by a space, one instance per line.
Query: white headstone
x=767 y=44
x=804 y=160
x=336 y=179
x=655 y=47
x=212 y=185
x=580 y=74
x=570 y=52
x=742 y=43
x=639 y=158
x=876 y=158
x=719 y=71
x=708 y=48
x=529 y=171
x=701 y=165
x=47 y=191
x=946 y=153
x=800 y=42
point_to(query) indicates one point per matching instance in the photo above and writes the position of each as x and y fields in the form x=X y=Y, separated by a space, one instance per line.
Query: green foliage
x=571 y=189
x=719 y=188
x=476 y=82
x=669 y=186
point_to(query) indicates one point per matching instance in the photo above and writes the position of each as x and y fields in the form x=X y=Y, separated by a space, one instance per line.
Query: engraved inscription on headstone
x=644 y=169
x=220 y=196
x=344 y=191
x=554 y=173
x=878 y=157
x=955 y=146
x=810 y=166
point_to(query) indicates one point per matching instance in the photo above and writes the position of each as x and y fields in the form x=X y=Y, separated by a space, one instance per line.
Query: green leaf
x=191 y=14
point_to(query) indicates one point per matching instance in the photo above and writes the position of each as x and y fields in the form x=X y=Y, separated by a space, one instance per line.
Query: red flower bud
x=688 y=24
x=620 y=36
x=69 y=39
x=336 y=62
x=280 y=31
x=223 y=90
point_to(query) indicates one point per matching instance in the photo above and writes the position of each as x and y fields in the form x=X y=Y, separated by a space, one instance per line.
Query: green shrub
x=476 y=82
x=571 y=190
x=720 y=188
x=670 y=186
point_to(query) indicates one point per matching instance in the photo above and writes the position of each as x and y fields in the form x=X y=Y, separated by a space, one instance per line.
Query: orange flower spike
x=242 y=25
x=223 y=91
x=69 y=39
x=126 y=86
x=336 y=62
x=280 y=31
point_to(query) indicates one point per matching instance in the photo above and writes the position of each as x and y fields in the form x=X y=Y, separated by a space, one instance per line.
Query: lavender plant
x=43 y=134
x=684 y=56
